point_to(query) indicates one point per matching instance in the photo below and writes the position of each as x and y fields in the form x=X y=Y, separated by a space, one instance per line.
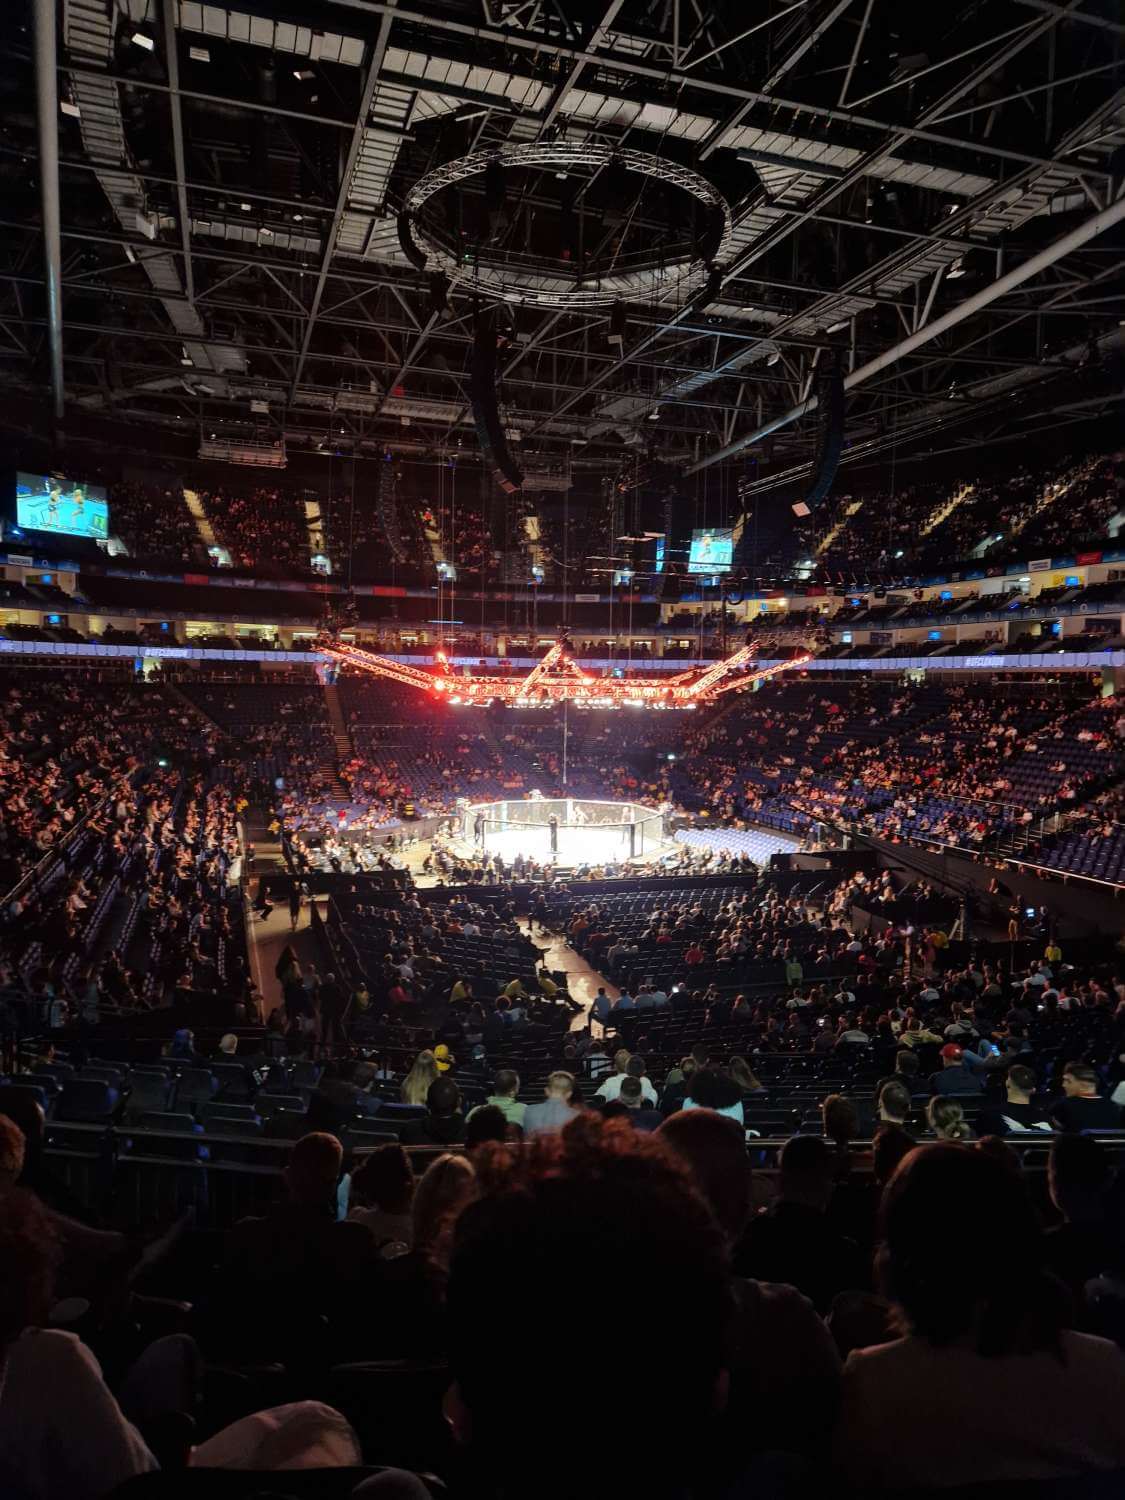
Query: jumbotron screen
x=48 y=502
x=711 y=551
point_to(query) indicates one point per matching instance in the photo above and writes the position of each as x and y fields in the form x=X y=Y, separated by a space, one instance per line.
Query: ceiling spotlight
x=298 y=218
x=245 y=207
x=199 y=54
x=956 y=269
x=774 y=357
x=130 y=255
x=67 y=108
x=142 y=39
x=303 y=75
x=837 y=327
x=654 y=414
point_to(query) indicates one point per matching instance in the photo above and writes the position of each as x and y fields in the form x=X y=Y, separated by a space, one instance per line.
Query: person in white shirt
x=62 y=1432
x=634 y=1068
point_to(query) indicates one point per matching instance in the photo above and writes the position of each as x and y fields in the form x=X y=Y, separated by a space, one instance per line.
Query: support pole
x=47 y=98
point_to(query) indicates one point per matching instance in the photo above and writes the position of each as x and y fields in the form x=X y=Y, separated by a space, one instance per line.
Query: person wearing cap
x=443 y=1057
x=955 y=1077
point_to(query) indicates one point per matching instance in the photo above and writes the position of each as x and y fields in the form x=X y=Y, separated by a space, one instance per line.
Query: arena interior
x=562 y=838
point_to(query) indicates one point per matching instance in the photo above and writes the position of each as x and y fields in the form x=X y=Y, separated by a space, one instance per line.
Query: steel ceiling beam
x=673 y=78
x=597 y=36
x=47 y=105
x=172 y=63
x=1094 y=226
x=370 y=83
x=831 y=191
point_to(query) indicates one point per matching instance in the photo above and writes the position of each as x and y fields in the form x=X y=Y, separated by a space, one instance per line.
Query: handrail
x=34 y=876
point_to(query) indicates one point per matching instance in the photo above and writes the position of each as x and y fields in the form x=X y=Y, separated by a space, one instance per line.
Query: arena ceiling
x=931 y=195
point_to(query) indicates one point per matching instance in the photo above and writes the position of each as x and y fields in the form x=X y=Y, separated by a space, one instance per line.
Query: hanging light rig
x=559 y=679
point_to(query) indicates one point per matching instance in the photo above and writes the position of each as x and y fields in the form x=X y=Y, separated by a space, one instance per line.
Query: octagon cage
x=567 y=830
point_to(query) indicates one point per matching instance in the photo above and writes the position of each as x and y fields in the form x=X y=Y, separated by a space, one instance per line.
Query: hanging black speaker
x=486 y=408
x=829 y=438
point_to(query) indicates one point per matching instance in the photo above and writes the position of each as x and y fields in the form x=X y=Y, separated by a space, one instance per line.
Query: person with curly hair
x=598 y=1194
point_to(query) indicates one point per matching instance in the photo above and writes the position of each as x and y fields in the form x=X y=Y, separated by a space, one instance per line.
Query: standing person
x=334 y=1007
x=553 y=826
x=294 y=905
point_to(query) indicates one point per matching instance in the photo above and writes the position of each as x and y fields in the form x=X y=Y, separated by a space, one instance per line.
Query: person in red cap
x=955 y=1077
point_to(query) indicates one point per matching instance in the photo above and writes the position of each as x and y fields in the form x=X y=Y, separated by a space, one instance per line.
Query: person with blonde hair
x=447 y=1185
x=743 y=1074
x=416 y=1084
x=946 y=1119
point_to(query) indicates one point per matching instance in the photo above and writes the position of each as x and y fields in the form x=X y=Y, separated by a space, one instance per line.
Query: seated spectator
x=556 y=1109
x=631 y=1097
x=893 y=1102
x=710 y=1088
x=946 y=1119
x=382 y=1193
x=955 y=1077
x=988 y=1359
x=785 y=1371
x=743 y=1074
x=446 y=1186
x=62 y=1431
x=677 y=1079
x=1078 y=1177
x=792 y=1240
x=443 y=1124
x=1019 y=1111
x=487 y=1123
x=297 y=1255
x=506 y=1086
x=416 y=1084
x=634 y=1068
x=597 y=1190
x=1082 y=1107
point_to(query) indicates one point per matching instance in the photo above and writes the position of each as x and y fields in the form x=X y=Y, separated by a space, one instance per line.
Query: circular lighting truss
x=551 y=287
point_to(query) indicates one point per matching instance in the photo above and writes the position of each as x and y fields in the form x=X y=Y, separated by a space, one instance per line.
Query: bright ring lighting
x=550 y=288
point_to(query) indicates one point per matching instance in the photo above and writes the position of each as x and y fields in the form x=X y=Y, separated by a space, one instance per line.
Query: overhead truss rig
x=559 y=679
x=264 y=270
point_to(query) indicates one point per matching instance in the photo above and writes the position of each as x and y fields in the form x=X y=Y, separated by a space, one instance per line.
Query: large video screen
x=711 y=551
x=48 y=502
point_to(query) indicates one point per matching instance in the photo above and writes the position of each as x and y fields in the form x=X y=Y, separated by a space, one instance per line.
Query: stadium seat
x=196 y=1086
x=286 y=1125
x=87 y=1099
x=149 y=1091
x=209 y=1112
x=395 y=1407
x=268 y=1104
x=233 y=1082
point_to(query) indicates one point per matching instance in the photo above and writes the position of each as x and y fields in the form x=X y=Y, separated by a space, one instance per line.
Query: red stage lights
x=558 y=678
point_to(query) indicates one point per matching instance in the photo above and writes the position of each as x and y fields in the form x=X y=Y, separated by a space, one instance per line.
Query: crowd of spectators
x=448 y=1180
x=119 y=836
x=263 y=528
x=932 y=524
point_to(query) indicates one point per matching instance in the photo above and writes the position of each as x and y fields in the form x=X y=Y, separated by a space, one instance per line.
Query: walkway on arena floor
x=582 y=982
x=268 y=940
